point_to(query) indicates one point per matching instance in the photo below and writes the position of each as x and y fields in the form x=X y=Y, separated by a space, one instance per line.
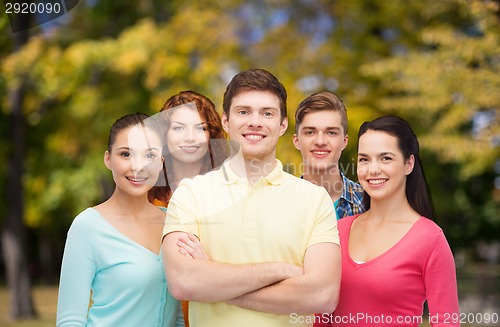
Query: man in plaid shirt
x=321 y=135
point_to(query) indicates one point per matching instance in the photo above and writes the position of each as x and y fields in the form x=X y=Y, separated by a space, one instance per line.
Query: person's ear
x=225 y=122
x=283 y=126
x=107 y=159
x=410 y=164
x=345 y=141
x=296 y=142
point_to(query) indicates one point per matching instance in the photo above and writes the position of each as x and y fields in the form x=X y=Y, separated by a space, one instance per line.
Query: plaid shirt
x=351 y=201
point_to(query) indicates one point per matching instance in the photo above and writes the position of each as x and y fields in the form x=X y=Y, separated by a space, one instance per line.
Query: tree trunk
x=14 y=231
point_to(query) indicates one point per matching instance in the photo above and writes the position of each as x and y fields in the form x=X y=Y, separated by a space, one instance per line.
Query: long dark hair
x=417 y=189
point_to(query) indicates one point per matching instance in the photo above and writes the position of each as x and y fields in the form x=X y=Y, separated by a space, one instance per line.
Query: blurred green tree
x=450 y=91
x=433 y=63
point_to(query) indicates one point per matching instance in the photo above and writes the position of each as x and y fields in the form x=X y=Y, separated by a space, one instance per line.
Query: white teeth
x=377 y=181
x=137 y=180
x=189 y=148
x=254 y=137
x=321 y=152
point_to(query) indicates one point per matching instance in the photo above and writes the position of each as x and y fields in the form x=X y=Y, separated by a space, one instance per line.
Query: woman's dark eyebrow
x=380 y=154
x=179 y=123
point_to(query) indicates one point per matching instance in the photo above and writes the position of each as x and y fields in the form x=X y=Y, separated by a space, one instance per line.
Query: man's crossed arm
x=273 y=287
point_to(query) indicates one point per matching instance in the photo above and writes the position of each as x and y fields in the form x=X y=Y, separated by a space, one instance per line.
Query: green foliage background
x=435 y=63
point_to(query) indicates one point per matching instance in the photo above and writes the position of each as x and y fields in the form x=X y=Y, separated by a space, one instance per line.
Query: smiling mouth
x=189 y=148
x=377 y=181
x=320 y=152
x=136 y=180
x=253 y=137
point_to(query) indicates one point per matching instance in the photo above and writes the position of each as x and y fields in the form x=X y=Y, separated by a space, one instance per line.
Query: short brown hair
x=323 y=100
x=255 y=79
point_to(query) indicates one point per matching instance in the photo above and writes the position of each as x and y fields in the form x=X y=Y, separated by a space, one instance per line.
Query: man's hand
x=316 y=290
x=190 y=246
x=191 y=276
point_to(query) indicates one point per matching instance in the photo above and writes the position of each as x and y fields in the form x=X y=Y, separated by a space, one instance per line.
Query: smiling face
x=255 y=123
x=187 y=136
x=320 y=139
x=135 y=160
x=382 y=168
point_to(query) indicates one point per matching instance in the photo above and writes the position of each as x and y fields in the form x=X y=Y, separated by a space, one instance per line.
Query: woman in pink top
x=394 y=257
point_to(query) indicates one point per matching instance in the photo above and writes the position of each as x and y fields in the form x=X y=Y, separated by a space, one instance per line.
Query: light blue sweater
x=127 y=280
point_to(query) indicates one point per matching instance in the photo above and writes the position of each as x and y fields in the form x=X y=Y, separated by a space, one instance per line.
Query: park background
x=62 y=85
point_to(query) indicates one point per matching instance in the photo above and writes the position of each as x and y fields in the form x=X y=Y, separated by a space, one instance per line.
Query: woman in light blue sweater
x=112 y=253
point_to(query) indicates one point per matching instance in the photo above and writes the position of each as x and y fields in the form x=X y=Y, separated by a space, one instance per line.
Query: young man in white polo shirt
x=271 y=238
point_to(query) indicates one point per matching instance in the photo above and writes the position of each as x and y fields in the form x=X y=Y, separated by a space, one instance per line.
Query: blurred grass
x=479 y=290
x=45 y=298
